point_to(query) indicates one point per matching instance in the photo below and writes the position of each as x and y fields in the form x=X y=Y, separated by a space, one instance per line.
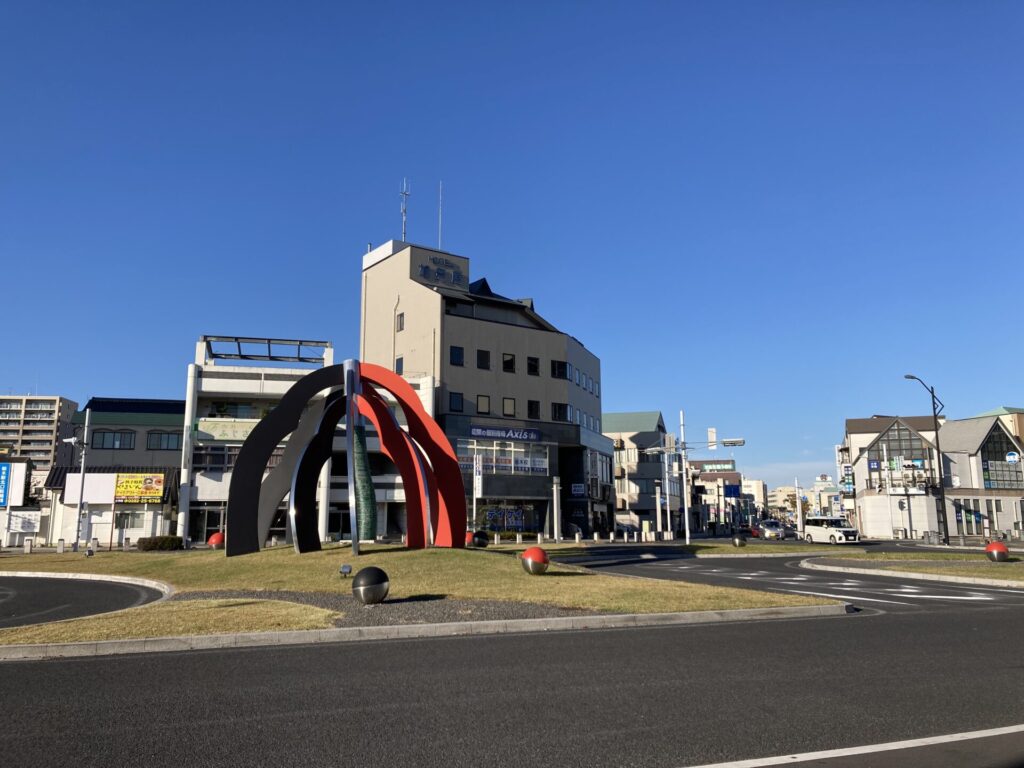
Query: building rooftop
x=1003 y=410
x=632 y=422
x=878 y=424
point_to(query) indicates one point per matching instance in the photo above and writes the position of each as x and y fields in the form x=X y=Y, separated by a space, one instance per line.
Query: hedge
x=161 y=543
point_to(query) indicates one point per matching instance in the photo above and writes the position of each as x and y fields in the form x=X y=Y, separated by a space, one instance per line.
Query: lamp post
x=81 y=478
x=937 y=406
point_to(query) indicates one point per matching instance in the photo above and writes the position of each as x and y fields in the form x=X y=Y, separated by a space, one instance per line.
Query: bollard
x=519 y=538
x=597 y=536
x=95 y=545
x=578 y=537
x=28 y=546
x=540 y=538
x=497 y=539
x=273 y=541
x=611 y=537
x=126 y=545
x=60 y=546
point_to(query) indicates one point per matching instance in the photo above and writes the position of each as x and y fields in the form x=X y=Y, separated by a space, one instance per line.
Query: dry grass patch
x=174 y=618
x=454 y=573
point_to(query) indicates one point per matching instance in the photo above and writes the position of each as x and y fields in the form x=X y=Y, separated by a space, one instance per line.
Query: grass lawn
x=971 y=564
x=167 y=619
x=452 y=573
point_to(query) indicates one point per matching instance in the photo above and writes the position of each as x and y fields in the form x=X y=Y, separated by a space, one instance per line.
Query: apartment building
x=647 y=475
x=31 y=427
x=513 y=393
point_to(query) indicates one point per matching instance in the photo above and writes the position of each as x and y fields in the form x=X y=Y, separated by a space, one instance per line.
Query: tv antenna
x=406 y=191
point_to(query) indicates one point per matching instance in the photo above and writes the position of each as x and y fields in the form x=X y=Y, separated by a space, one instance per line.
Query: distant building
x=31 y=427
x=508 y=387
x=891 y=465
x=640 y=474
x=131 y=472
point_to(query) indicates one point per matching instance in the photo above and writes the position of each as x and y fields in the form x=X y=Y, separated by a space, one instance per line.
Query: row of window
x=559 y=411
x=559 y=368
x=125 y=441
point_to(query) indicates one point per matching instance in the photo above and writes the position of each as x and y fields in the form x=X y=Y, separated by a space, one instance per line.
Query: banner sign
x=136 y=488
x=478 y=475
x=5 y=482
x=732 y=491
x=579 y=489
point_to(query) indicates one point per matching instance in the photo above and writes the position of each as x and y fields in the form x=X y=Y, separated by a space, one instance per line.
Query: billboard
x=139 y=487
x=5 y=483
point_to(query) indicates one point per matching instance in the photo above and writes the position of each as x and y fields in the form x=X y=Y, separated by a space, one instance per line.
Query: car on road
x=834 y=530
x=772 y=529
x=790 y=531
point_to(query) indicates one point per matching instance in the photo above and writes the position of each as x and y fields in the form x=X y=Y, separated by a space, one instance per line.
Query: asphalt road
x=671 y=696
x=25 y=600
x=785 y=575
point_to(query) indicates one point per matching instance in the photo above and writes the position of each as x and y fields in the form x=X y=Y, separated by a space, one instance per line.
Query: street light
x=937 y=406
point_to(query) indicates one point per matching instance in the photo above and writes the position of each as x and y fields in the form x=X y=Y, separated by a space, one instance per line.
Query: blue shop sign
x=502 y=433
x=874 y=465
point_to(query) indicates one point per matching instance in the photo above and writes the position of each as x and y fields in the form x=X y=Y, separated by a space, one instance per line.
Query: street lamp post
x=937 y=407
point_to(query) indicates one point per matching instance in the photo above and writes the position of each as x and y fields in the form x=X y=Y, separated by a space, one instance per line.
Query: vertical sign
x=5 y=483
x=478 y=475
x=712 y=438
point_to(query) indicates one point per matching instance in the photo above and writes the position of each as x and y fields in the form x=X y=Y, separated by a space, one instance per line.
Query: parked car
x=790 y=531
x=621 y=528
x=772 y=529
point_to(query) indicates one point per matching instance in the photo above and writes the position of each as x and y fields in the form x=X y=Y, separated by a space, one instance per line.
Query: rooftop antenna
x=440 y=208
x=405 y=207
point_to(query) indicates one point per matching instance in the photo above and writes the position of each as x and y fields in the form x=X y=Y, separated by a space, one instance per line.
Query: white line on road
x=847 y=597
x=865 y=750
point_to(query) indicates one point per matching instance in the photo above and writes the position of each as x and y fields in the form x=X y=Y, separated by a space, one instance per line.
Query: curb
x=165 y=589
x=406 y=631
x=914 y=575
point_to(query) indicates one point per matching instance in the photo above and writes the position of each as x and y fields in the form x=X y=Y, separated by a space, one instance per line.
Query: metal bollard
x=540 y=538
x=28 y=546
x=519 y=538
x=60 y=546
x=497 y=539
x=95 y=545
x=597 y=536
x=578 y=537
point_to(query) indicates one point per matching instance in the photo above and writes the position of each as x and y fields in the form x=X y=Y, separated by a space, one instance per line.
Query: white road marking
x=847 y=597
x=956 y=597
x=867 y=749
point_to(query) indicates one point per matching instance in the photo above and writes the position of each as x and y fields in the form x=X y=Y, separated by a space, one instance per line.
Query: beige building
x=645 y=459
x=508 y=386
x=31 y=426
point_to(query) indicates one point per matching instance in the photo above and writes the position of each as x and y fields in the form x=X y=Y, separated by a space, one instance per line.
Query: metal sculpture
x=535 y=561
x=371 y=585
x=435 y=495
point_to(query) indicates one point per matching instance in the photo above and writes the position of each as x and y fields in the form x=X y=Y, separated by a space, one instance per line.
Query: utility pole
x=81 y=484
x=682 y=485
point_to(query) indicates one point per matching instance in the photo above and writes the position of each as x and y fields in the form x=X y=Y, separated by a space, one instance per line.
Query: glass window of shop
x=503 y=457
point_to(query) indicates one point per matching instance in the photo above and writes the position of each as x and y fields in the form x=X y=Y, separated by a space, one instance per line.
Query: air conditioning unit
x=619 y=443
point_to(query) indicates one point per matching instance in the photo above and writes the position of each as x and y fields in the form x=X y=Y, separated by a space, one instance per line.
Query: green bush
x=159 y=543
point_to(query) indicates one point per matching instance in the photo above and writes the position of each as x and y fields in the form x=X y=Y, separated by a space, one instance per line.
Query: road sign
x=478 y=475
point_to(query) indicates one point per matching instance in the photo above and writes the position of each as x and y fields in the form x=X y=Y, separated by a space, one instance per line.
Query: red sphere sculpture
x=997 y=552
x=216 y=541
x=535 y=561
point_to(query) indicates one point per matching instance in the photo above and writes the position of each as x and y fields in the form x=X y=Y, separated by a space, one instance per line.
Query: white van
x=834 y=530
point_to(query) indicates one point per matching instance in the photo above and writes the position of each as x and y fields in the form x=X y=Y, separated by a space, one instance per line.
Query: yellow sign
x=139 y=487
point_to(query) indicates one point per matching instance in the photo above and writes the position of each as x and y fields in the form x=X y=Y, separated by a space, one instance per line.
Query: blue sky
x=762 y=212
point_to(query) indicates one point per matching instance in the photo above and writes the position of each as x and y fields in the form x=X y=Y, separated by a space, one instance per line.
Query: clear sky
x=762 y=212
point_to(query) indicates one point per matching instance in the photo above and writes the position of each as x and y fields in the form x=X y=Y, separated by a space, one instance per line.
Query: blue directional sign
x=5 y=482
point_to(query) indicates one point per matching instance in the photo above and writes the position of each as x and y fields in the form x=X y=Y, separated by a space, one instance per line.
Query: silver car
x=772 y=529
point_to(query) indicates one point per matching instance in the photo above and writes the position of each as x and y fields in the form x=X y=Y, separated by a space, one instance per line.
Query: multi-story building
x=506 y=386
x=755 y=492
x=232 y=384
x=893 y=463
x=644 y=458
x=131 y=472
x=32 y=426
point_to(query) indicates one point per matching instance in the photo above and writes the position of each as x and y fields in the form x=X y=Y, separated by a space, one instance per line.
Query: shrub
x=159 y=543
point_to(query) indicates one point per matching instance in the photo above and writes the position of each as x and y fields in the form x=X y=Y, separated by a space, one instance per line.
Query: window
x=117 y=441
x=559 y=412
x=483 y=359
x=597 y=388
x=400 y=322
x=559 y=369
x=455 y=402
x=483 y=404
x=163 y=441
x=508 y=363
x=533 y=409
x=533 y=366
x=577 y=377
x=508 y=406
x=456 y=355
x=399 y=365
